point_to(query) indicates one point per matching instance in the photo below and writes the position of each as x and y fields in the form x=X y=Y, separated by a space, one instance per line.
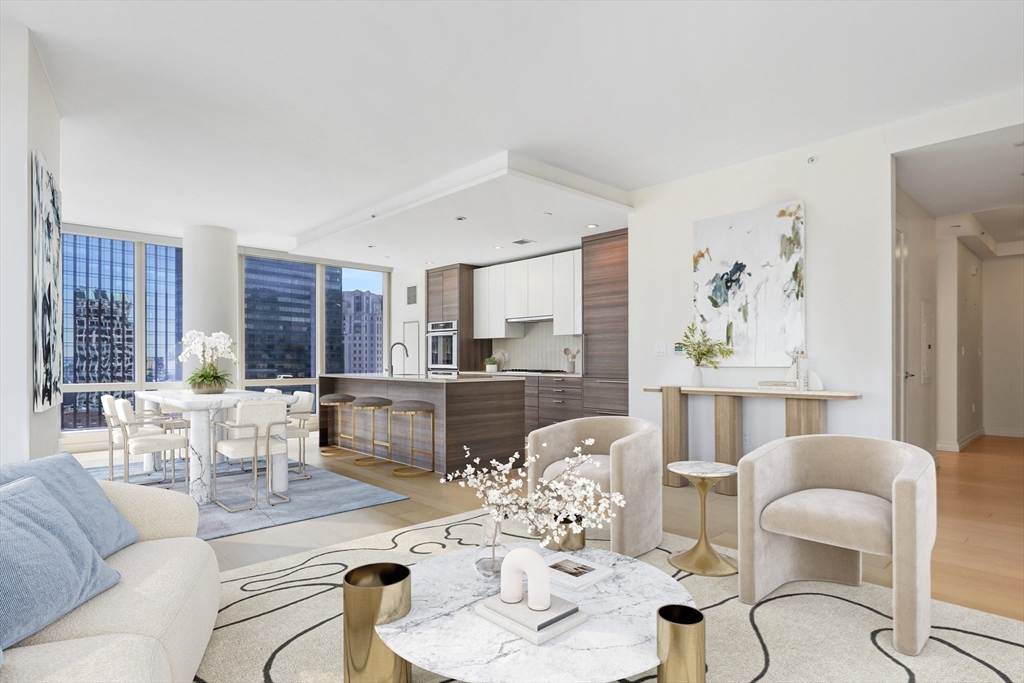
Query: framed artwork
x=748 y=283
x=47 y=324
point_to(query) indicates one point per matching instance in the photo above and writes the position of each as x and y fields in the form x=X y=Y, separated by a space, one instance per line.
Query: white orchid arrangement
x=567 y=502
x=208 y=349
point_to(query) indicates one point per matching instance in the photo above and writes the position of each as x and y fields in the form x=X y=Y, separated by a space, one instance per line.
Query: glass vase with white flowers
x=500 y=490
x=562 y=508
x=208 y=378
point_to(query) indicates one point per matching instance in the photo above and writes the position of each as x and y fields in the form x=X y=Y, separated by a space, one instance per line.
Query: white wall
x=969 y=382
x=31 y=122
x=920 y=291
x=849 y=212
x=1003 y=345
x=947 y=359
x=401 y=313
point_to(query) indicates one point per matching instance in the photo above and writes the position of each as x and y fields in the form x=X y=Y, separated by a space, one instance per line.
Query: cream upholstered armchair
x=627 y=459
x=810 y=505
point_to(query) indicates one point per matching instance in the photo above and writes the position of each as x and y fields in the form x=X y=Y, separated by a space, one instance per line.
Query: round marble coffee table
x=702 y=559
x=444 y=635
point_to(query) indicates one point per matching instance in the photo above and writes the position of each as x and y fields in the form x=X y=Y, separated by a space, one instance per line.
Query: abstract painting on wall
x=748 y=283
x=47 y=325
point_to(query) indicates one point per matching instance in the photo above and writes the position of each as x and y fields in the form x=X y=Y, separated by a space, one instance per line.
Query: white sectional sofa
x=153 y=625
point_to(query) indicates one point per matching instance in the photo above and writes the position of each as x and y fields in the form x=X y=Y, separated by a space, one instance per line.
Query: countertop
x=473 y=377
x=522 y=374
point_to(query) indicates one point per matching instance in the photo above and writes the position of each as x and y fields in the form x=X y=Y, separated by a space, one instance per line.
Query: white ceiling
x=967 y=175
x=274 y=118
x=1004 y=225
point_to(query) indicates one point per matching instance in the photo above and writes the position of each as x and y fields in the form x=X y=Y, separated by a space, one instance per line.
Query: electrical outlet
x=660 y=349
x=973 y=409
x=746 y=437
x=962 y=351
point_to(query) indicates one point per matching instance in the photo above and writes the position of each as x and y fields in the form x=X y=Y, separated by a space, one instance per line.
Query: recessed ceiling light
x=371 y=246
x=1019 y=144
x=497 y=247
x=460 y=218
x=954 y=226
x=429 y=263
x=546 y=213
x=592 y=226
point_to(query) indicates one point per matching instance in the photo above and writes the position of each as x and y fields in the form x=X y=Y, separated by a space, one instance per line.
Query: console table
x=805 y=414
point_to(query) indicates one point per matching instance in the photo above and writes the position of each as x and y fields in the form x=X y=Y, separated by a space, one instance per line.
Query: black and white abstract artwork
x=47 y=331
x=748 y=283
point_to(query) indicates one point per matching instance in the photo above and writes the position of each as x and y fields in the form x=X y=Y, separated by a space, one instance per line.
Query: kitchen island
x=485 y=413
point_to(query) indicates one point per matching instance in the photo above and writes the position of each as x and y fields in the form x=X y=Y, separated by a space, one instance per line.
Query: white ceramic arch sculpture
x=538 y=580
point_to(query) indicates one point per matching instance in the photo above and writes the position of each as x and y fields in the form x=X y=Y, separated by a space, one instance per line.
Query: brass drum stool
x=412 y=409
x=338 y=402
x=702 y=559
x=372 y=404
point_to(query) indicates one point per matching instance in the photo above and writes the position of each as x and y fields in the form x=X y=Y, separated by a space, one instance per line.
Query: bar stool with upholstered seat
x=373 y=404
x=412 y=409
x=338 y=402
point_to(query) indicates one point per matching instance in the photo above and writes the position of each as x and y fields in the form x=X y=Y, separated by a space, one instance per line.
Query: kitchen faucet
x=391 y=357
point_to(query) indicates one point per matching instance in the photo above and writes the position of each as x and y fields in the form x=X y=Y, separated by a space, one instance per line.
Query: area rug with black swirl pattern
x=280 y=621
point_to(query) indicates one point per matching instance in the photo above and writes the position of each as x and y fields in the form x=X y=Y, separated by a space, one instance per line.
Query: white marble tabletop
x=701 y=468
x=184 y=399
x=444 y=635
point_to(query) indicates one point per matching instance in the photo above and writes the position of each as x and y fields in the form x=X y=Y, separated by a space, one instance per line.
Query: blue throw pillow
x=77 y=490
x=47 y=565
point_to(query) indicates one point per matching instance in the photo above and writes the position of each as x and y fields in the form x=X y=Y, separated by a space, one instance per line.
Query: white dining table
x=202 y=411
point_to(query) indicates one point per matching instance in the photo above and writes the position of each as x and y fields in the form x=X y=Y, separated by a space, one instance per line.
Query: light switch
x=660 y=350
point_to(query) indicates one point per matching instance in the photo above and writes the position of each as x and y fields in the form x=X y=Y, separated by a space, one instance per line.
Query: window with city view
x=280 y=319
x=354 y=315
x=100 y=322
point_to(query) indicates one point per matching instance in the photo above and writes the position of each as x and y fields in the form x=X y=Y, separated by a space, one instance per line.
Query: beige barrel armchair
x=627 y=459
x=810 y=505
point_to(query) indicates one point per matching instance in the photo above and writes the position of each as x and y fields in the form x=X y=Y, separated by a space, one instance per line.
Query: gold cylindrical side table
x=375 y=594
x=702 y=559
x=680 y=645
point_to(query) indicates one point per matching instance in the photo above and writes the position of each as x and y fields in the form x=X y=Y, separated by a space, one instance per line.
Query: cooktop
x=544 y=372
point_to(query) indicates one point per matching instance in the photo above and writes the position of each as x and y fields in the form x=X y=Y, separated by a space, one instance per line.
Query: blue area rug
x=326 y=493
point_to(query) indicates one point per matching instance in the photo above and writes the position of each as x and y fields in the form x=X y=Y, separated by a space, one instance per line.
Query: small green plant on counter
x=702 y=349
x=490 y=361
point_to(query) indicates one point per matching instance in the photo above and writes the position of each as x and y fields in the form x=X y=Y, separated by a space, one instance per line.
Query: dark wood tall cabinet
x=450 y=297
x=606 y=324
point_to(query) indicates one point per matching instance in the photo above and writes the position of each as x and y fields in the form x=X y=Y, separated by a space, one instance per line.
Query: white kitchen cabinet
x=540 y=301
x=481 y=303
x=563 y=292
x=567 y=282
x=517 y=290
x=497 y=326
x=489 y=306
x=577 y=283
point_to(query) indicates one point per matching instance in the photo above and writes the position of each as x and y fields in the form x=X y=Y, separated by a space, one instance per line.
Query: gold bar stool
x=412 y=409
x=338 y=402
x=372 y=404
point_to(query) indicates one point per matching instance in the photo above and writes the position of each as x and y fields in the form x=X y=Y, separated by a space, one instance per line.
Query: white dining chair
x=136 y=443
x=115 y=436
x=300 y=413
x=258 y=432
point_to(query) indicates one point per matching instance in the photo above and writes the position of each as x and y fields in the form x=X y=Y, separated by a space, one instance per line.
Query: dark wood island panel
x=485 y=414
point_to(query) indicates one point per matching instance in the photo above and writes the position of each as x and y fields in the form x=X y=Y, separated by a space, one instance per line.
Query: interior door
x=900 y=374
x=411 y=338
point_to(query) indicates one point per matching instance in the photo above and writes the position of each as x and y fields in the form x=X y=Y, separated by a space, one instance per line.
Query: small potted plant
x=491 y=364
x=703 y=351
x=207 y=378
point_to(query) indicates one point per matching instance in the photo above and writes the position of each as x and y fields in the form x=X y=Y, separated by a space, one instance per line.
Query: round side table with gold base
x=702 y=559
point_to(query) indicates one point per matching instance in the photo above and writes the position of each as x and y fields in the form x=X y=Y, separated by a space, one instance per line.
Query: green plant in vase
x=704 y=351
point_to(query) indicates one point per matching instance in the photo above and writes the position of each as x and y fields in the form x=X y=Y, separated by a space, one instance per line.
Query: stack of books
x=776 y=385
x=532 y=625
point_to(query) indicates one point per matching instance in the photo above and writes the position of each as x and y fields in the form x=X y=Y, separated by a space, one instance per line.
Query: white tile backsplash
x=540 y=348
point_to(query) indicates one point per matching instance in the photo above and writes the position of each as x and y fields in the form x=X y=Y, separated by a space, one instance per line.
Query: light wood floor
x=978 y=560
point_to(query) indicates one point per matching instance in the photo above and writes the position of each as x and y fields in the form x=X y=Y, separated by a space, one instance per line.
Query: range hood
x=531 y=319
